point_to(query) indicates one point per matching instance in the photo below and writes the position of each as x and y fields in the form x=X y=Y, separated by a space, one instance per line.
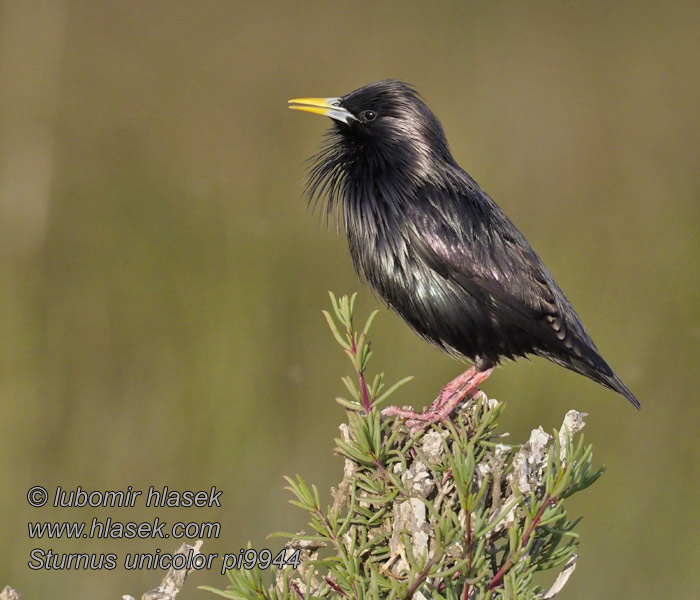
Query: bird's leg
x=452 y=388
x=447 y=400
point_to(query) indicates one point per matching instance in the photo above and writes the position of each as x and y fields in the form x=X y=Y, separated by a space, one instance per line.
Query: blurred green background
x=161 y=281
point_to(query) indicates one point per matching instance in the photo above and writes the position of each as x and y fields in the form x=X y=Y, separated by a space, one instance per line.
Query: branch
x=174 y=579
x=445 y=512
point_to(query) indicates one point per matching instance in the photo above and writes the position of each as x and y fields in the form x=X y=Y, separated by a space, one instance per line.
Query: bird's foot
x=447 y=400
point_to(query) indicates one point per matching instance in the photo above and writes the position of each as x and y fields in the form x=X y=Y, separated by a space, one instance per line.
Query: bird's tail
x=598 y=370
x=615 y=383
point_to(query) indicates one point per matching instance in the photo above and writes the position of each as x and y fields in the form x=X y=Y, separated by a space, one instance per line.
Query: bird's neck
x=375 y=205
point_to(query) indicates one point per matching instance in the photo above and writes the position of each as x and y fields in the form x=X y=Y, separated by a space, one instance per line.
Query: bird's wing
x=468 y=239
x=471 y=242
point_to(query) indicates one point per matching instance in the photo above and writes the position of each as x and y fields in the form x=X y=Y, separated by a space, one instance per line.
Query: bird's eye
x=368 y=115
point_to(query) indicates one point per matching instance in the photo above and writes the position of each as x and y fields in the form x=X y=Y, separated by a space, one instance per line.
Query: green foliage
x=446 y=512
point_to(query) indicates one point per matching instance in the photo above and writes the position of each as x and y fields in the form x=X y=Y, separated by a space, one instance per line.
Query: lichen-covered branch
x=168 y=589
x=451 y=511
x=9 y=594
x=174 y=579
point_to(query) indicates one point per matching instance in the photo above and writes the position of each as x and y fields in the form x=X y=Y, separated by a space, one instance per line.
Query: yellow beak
x=329 y=107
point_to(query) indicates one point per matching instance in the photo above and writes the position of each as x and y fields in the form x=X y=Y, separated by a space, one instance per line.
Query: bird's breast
x=434 y=306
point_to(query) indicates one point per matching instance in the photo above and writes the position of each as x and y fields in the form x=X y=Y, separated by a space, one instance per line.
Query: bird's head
x=382 y=130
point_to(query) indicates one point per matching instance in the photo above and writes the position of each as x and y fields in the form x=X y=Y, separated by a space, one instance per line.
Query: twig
x=174 y=579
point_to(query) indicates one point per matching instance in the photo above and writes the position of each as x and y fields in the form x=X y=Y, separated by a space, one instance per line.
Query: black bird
x=436 y=248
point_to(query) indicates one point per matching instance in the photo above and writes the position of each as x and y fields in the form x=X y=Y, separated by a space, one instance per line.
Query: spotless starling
x=436 y=248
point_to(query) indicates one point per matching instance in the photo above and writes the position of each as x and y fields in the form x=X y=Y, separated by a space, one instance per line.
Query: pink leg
x=447 y=400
